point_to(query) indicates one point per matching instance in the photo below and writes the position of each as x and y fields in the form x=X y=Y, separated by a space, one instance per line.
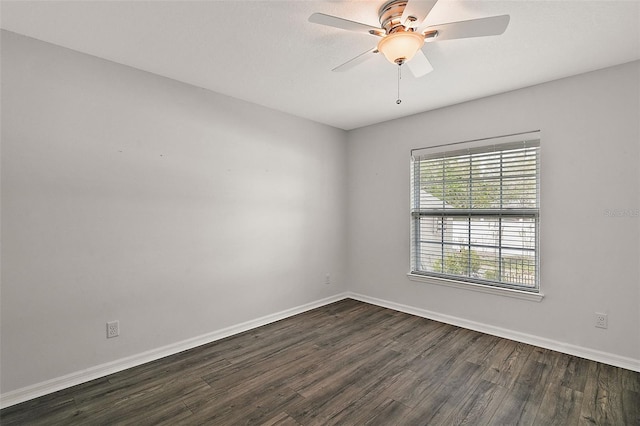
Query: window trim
x=481 y=288
x=478 y=145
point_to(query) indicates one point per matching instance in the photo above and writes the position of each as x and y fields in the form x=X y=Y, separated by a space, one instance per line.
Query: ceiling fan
x=402 y=37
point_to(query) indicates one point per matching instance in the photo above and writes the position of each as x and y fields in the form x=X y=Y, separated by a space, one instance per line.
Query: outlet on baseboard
x=113 y=329
x=601 y=320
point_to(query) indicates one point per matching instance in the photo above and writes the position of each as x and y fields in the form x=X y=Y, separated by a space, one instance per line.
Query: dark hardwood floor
x=351 y=363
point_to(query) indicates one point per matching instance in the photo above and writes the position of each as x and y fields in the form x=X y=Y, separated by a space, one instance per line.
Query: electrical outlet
x=601 y=320
x=327 y=279
x=113 y=329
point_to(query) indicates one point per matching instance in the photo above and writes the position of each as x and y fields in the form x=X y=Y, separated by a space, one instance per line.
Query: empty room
x=405 y=212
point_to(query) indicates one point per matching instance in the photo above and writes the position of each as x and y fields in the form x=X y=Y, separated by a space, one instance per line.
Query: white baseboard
x=582 y=352
x=39 y=389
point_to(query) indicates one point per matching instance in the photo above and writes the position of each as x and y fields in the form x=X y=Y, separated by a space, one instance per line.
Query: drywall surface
x=590 y=189
x=131 y=197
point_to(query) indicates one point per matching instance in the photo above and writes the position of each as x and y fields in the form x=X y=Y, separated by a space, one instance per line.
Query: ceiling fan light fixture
x=400 y=46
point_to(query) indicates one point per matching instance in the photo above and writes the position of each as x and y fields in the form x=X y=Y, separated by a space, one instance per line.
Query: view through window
x=475 y=212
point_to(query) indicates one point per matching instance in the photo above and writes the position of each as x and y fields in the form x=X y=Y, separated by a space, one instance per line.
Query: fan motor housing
x=390 y=15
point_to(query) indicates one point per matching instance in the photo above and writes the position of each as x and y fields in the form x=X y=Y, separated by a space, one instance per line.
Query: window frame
x=471 y=148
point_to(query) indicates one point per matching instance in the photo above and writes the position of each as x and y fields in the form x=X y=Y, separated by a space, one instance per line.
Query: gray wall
x=175 y=210
x=589 y=164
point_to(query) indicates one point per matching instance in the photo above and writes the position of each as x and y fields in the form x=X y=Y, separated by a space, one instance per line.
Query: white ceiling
x=266 y=52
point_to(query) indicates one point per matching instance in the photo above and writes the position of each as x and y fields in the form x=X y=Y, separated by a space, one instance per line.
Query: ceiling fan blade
x=494 y=25
x=363 y=57
x=419 y=65
x=418 y=9
x=344 y=24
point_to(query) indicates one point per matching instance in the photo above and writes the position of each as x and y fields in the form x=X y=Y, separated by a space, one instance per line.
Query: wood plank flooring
x=350 y=363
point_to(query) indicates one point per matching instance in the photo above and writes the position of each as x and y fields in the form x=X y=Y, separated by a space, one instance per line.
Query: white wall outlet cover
x=601 y=320
x=113 y=329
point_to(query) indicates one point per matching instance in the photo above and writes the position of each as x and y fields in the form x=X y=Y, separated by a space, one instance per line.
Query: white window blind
x=475 y=212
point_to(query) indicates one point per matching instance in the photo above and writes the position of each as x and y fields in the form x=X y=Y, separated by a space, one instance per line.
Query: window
x=475 y=212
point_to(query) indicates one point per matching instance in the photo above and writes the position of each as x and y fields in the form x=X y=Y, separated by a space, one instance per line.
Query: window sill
x=507 y=292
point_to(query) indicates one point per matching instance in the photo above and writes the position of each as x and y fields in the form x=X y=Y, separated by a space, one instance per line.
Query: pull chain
x=398 y=101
